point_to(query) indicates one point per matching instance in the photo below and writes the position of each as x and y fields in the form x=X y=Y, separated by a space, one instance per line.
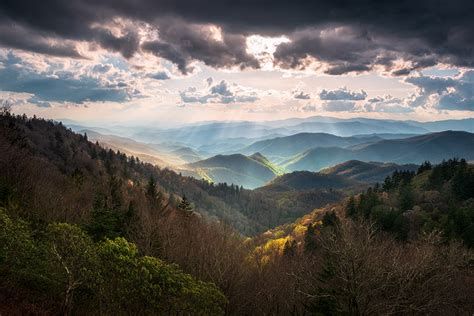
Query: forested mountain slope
x=247 y=171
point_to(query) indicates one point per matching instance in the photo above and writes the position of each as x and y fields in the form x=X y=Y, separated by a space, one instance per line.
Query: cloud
x=17 y=36
x=308 y=108
x=396 y=37
x=339 y=106
x=342 y=94
x=444 y=93
x=202 y=42
x=345 y=48
x=160 y=75
x=54 y=83
x=387 y=104
x=299 y=94
x=221 y=92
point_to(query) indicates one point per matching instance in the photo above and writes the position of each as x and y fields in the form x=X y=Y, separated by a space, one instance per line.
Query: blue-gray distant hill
x=281 y=148
x=433 y=147
x=370 y=172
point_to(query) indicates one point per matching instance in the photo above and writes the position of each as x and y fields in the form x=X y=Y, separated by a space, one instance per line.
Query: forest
x=86 y=230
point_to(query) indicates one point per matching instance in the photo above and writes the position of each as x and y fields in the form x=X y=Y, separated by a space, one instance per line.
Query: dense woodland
x=85 y=230
x=437 y=197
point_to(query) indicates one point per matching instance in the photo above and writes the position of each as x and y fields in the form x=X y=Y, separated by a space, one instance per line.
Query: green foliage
x=132 y=284
x=443 y=193
x=460 y=222
x=71 y=274
x=105 y=222
x=396 y=179
x=406 y=198
x=367 y=201
x=425 y=166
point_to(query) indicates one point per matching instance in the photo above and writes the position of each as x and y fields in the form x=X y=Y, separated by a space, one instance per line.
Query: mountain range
x=433 y=147
x=239 y=134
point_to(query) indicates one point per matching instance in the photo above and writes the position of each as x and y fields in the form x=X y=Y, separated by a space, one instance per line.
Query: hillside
x=301 y=191
x=317 y=158
x=306 y=180
x=187 y=154
x=247 y=171
x=435 y=197
x=84 y=228
x=284 y=147
x=432 y=147
x=45 y=160
x=370 y=172
x=131 y=147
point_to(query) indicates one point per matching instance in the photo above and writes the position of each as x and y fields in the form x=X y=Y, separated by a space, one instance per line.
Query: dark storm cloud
x=15 y=36
x=182 y=43
x=424 y=32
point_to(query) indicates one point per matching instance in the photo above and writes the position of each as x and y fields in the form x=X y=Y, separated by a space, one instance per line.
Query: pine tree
x=185 y=206
x=351 y=209
x=406 y=197
x=290 y=248
x=151 y=189
x=330 y=219
x=310 y=239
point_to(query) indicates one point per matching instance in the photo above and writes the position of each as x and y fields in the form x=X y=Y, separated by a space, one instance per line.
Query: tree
x=73 y=252
x=105 y=222
x=5 y=107
x=130 y=284
x=351 y=209
x=424 y=167
x=151 y=189
x=155 y=196
x=406 y=197
x=185 y=206
x=330 y=219
x=289 y=249
x=310 y=243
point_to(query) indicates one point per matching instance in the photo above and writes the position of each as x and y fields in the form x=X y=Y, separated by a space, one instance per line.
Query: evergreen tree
x=185 y=206
x=351 y=209
x=406 y=197
x=310 y=239
x=330 y=219
x=290 y=248
x=424 y=167
x=104 y=223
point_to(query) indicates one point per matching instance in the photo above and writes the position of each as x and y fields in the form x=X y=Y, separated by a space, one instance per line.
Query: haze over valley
x=227 y=157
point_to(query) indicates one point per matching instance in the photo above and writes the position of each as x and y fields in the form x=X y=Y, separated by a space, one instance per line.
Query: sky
x=169 y=62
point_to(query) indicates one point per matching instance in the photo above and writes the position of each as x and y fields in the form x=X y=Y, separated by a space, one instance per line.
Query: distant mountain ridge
x=225 y=137
x=433 y=147
x=284 y=147
x=370 y=172
x=307 y=180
